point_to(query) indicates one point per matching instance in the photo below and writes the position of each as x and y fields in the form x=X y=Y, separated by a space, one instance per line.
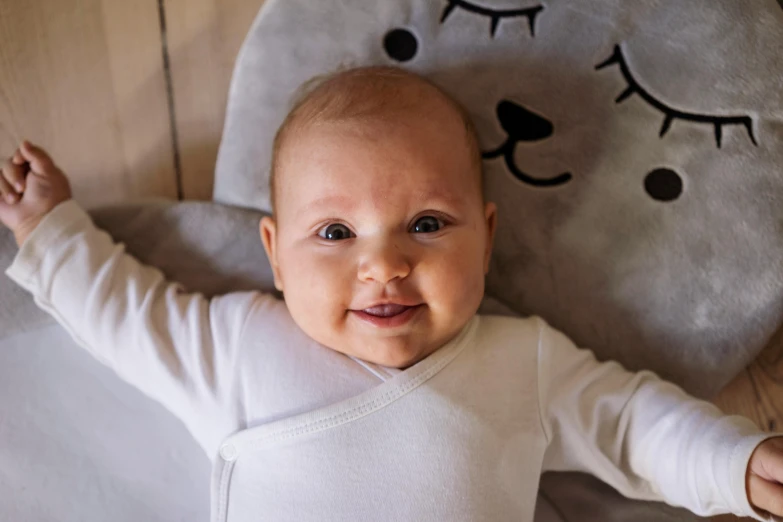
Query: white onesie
x=300 y=432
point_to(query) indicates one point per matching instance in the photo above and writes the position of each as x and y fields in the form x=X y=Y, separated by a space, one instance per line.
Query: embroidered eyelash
x=495 y=15
x=671 y=114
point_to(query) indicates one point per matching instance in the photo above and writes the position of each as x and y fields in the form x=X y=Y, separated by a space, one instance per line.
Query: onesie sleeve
x=179 y=348
x=643 y=436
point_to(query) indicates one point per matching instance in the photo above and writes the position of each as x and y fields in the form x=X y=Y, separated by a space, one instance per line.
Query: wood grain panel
x=757 y=393
x=84 y=79
x=204 y=37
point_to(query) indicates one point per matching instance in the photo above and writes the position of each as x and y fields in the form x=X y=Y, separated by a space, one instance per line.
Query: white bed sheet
x=79 y=444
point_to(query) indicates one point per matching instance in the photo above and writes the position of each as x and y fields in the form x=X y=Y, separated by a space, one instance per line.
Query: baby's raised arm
x=640 y=434
x=177 y=347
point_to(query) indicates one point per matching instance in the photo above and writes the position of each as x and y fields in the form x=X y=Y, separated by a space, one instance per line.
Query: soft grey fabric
x=209 y=248
x=578 y=497
x=689 y=284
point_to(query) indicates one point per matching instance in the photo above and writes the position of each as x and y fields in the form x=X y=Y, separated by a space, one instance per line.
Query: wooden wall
x=128 y=96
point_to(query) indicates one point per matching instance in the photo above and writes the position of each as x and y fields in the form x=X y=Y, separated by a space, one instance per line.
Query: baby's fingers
x=40 y=162
x=766 y=495
x=6 y=192
x=18 y=159
x=14 y=174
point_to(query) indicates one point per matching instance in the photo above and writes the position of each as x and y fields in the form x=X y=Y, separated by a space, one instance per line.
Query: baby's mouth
x=386 y=310
x=388 y=315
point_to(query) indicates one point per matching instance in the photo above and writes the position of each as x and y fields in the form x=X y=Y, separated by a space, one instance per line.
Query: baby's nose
x=383 y=262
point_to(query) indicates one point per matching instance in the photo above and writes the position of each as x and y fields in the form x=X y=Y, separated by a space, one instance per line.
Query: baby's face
x=381 y=239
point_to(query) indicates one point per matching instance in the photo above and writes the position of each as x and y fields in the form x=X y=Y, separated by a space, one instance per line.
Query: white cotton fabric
x=300 y=432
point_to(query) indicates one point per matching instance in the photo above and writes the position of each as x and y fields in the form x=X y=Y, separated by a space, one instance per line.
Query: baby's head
x=380 y=238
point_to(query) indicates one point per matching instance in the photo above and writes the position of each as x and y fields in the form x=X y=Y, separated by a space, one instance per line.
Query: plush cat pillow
x=634 y=149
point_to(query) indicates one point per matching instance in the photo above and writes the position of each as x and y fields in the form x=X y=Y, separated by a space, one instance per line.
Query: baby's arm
x=643 y=436
x=178 y=348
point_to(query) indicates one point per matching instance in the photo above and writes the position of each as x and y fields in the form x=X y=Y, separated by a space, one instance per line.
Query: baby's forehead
x=343 y=200
x=340 y=173
x=378 y=135
x=437 y=149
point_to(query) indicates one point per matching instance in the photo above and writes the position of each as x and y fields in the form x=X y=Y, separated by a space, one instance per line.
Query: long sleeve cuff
x=63 y=219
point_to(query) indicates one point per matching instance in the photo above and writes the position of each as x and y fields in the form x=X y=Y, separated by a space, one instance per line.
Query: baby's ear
x=268 y=230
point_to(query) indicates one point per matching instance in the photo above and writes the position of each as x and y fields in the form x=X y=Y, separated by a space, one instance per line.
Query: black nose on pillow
x=521 y=124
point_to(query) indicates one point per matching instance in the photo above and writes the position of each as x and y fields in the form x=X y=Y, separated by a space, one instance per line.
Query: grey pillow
x=647 y=230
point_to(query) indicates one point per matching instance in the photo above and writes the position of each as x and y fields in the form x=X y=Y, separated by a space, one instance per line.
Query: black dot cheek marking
x=401 y=45
x=663 y=185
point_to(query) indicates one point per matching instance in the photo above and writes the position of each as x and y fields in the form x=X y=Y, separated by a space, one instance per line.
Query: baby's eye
x=427 y=225
x=335 y=232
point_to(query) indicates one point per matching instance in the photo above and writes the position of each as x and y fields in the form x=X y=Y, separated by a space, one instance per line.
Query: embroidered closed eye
x=495 y=15
x=671 y=114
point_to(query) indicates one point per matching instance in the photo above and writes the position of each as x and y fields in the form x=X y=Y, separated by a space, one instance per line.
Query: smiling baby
x=374 y=391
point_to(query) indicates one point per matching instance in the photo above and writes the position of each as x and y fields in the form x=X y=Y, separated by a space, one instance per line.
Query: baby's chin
x=396 y=360
x=392 y=353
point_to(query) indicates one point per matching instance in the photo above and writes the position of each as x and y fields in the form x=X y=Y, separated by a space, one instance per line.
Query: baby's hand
x=764 y=476
x=30 y=186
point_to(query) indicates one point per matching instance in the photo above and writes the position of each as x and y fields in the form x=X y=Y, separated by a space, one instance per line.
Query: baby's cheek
x=327 y=279
x=456 y=280
x=315 y=306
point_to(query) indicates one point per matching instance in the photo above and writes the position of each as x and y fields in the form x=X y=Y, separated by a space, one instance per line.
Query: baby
x=375 y=391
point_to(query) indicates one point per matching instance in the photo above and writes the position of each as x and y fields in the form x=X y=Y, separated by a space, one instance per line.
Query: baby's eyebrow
x=448 y=198
x=335 y=200
x=346 y=204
